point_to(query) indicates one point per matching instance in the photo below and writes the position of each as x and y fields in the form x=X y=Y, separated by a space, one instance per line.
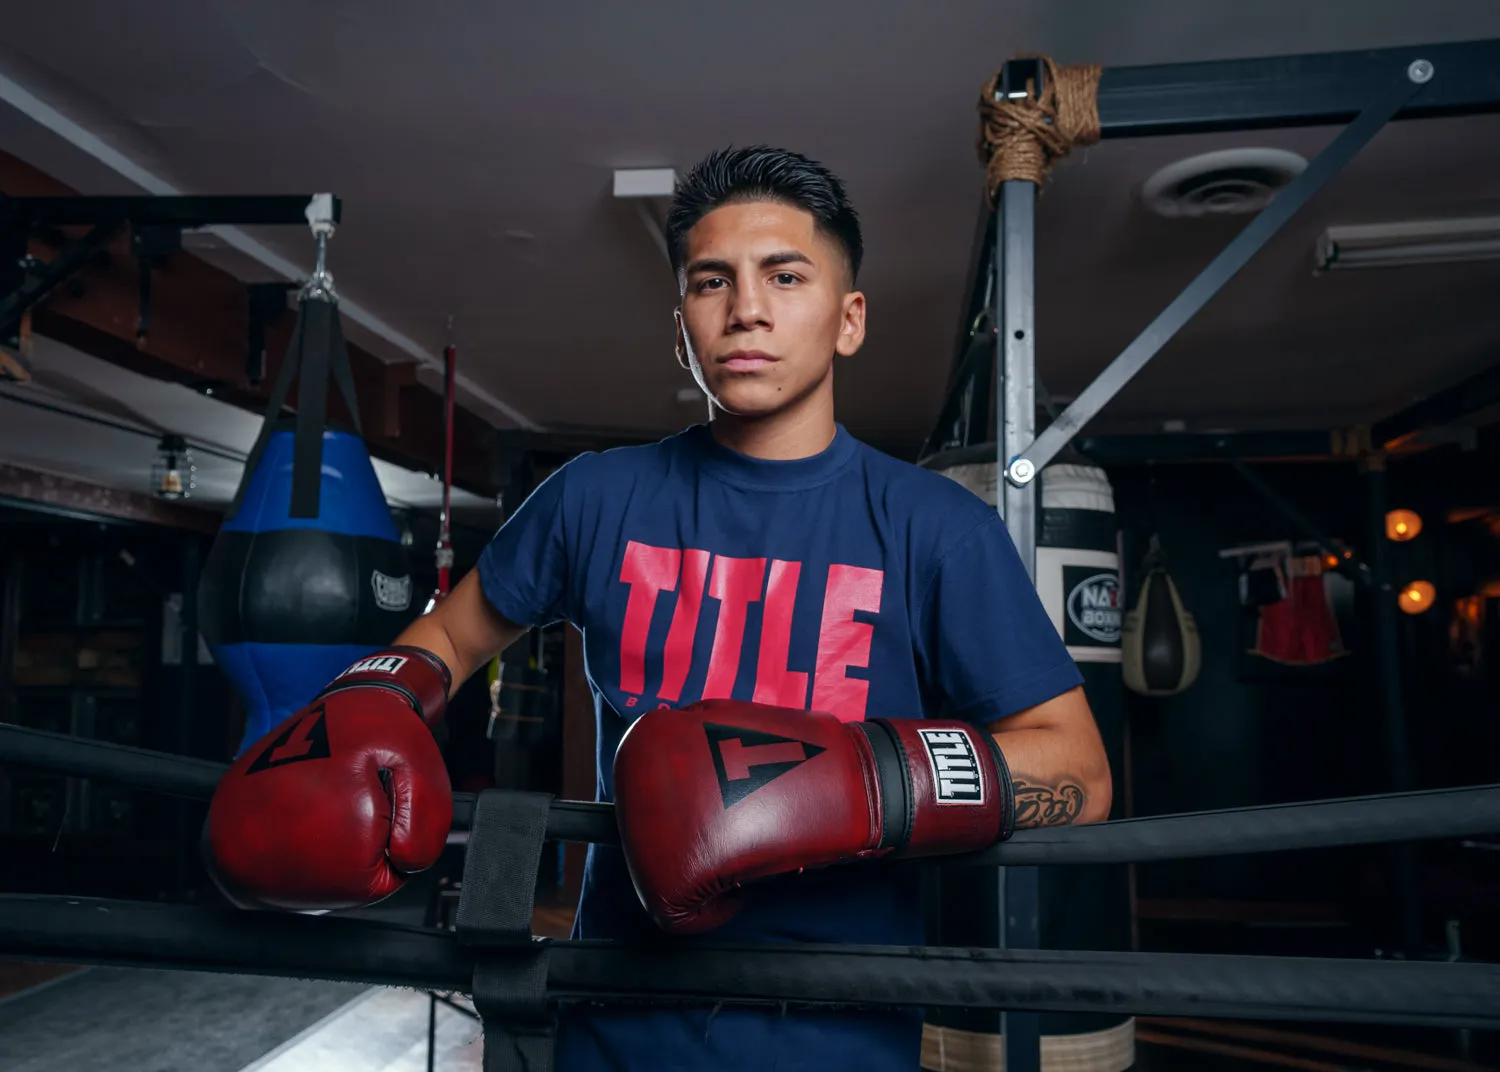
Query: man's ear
x=852 y=329
x=681 y=340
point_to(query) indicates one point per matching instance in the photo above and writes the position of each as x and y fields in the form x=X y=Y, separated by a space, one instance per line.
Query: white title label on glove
x=377 y=664
x=955 y=766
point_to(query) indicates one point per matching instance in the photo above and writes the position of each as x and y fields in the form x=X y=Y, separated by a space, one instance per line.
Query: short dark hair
x=762 y=173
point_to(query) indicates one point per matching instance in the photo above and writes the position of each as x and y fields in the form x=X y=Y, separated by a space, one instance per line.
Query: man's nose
x=749 y=309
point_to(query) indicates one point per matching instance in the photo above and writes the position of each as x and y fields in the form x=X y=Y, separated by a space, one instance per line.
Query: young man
x=765 y=558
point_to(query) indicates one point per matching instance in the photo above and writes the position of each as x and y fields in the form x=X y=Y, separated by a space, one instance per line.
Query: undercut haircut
x=762 y=173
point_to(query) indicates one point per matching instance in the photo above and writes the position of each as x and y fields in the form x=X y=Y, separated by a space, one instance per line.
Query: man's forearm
x=1057 y=762
x=463 y=630
x=428 y=634
x=1052 y=786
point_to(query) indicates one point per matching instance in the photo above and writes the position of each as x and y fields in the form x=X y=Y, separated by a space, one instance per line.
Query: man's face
x=765 y=308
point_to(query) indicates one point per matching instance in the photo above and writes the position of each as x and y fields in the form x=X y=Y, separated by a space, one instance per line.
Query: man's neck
x=800 y=432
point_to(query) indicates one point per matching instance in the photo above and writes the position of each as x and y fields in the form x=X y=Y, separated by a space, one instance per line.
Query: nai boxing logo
x=955 y=766
x=377 y=664
x=1094 y=607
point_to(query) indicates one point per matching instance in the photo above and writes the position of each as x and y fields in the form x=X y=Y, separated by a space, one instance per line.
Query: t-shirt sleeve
x=985 y=641
x=524 y=570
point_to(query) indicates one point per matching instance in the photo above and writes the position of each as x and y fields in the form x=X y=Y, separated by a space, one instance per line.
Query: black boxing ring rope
x=516 y=979
x=1441 y=813
x=160 y=936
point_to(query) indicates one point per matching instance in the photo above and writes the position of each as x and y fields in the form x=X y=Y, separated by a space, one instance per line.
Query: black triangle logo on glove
x=747 y=760
x=304 y=738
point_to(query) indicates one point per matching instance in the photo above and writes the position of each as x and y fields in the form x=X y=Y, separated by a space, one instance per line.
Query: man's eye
x=713 y=283
x=786 y=279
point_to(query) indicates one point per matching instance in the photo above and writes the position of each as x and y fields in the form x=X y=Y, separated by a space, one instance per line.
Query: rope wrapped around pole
x=1021 y=137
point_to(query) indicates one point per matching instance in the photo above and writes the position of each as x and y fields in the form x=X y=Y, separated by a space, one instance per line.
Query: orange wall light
x=1418 y=597
x=1402 y=525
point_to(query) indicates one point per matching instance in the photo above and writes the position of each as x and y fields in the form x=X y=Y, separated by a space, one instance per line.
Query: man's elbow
x=1093 y=771
x=1098 y=792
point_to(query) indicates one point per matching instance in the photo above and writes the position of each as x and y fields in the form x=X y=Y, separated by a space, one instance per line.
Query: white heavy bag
x=1081 y=907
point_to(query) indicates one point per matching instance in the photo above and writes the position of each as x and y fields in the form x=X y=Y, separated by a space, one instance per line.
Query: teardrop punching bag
x=308 y=573
x=1162 y=651
x=1080 y=907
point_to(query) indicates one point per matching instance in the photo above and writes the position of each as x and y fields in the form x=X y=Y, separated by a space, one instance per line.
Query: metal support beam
x=1289 y=446
x=965 y=417
x=48 y=277
x=267 y=303
x=1015 y=338
x=1478 y=392
x=65 y=497
x=1403 y=859
x=958 y=424
x=1385 y=611
x=1400 y=86
x=1015 y=415
x=207 y=344
x=1292 y=91
x=182 y=213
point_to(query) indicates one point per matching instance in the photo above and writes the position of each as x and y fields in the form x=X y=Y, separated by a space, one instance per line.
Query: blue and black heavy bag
x=307 y=574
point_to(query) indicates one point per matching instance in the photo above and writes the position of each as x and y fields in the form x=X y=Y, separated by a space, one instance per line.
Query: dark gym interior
x=503 y=306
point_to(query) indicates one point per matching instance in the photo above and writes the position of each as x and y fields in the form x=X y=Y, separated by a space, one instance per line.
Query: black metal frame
x=1275 y=92
x=1293 y=91
x=156 y=224
x=181 y=213
x=1364 y=90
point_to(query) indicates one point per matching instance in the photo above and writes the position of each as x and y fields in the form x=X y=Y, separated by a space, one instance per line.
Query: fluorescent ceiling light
x=1384 y=245
x=645 y=182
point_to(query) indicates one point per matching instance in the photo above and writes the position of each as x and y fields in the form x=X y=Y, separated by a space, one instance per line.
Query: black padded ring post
x=494 y=913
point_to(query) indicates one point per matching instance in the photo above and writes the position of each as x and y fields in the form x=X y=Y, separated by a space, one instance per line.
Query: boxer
x=818 y=657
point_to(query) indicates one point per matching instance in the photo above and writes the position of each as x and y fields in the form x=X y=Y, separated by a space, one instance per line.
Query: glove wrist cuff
x=956 y=786
x=417 y=674
x=1006 y=786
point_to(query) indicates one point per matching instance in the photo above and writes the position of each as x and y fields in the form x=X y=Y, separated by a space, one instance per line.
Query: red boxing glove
x=724 y=793
x=337 y=805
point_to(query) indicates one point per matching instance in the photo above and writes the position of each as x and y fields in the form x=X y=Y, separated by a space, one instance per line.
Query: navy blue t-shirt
x=847 y=582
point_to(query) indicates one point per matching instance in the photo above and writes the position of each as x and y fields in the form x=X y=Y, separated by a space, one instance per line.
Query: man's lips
x=746 y=361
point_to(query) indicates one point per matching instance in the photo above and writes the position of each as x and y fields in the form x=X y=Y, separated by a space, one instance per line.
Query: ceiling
x=474 y=145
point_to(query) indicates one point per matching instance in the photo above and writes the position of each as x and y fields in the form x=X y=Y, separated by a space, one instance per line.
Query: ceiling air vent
x=1226 y=183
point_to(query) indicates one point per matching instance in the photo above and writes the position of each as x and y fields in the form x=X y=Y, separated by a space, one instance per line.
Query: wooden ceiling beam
x=79 y=498
x=199 y=336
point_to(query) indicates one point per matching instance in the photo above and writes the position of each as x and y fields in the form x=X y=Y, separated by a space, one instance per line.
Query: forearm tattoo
x=1040 y=804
